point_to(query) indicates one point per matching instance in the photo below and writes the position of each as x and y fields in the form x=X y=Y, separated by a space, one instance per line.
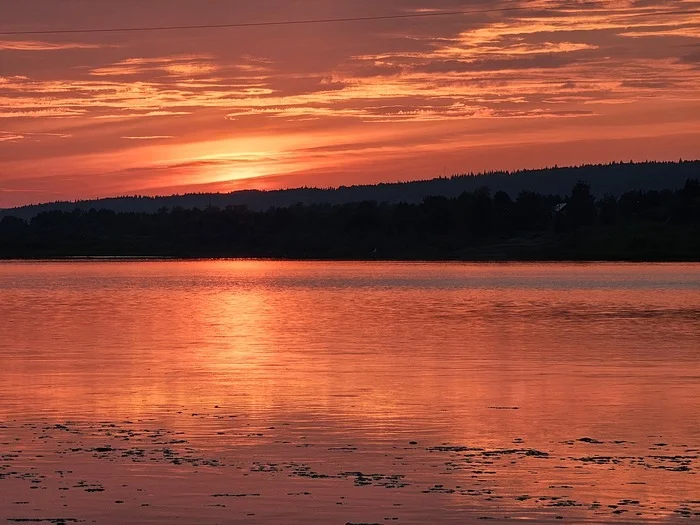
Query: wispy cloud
x=38 y=45
x=43 y=113
x=7 y=136
x=128 y=116
x=150 y=137
x=177 y=66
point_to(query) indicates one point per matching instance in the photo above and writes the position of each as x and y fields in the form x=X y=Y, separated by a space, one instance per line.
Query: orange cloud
x=37 y=45
x=151 y=137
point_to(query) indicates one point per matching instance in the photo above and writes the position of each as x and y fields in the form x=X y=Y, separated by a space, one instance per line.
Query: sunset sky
x=555 y=82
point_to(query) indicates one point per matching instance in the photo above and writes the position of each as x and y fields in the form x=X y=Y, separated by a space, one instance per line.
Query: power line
x=307 y=21
x=291 y=22
x=263 y=24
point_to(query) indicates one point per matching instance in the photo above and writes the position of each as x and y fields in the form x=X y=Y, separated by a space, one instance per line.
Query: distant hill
x=616 y=179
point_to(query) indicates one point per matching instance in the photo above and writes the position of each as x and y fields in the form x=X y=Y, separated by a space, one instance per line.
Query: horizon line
x=336 y=188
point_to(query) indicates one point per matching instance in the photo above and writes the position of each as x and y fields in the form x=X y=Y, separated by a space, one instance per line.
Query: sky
x=511 y=84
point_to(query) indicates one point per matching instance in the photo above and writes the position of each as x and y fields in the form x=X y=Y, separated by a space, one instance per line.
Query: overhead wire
x=273 y=23
x=312 y=21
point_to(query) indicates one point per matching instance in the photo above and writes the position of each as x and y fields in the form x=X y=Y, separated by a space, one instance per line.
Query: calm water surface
x=288 y=392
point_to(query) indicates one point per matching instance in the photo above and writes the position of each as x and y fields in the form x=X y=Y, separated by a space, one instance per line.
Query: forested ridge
x=476 y=225
x=615 y=179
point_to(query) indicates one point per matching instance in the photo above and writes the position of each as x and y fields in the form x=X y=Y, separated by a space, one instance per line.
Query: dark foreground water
x=283 y=392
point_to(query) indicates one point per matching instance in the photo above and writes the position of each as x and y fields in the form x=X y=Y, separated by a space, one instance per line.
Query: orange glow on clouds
x=216 y=110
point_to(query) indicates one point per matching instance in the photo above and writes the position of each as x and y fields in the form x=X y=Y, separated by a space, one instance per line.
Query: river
x=340 y=392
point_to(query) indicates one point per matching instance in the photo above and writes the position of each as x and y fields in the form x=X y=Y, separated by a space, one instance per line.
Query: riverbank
x=658 y=243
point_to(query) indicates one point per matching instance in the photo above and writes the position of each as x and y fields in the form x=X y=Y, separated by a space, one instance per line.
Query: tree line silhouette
x=615 y=178
x=479 y=224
